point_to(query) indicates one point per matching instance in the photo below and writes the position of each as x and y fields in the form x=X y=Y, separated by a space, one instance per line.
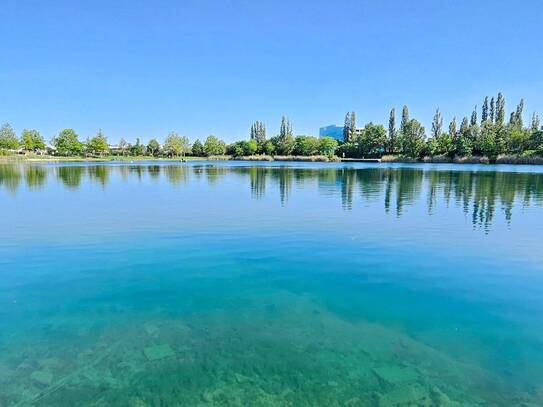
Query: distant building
x=335 y=132
x=332 y=131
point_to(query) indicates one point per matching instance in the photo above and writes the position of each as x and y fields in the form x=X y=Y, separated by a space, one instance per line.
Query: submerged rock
x=158 y=352
x=395 y=374
x=43 y=377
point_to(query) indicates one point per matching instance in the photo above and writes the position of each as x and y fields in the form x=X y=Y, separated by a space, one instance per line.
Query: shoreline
x=507 y=160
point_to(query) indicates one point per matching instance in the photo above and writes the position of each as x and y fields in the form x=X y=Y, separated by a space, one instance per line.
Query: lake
x=231 y=283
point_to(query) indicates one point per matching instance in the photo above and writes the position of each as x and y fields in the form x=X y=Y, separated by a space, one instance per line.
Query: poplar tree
x=473 y=120
x=500 y=110
x=492 y=109
x=392 y=131
x=347 y=128
x=484 y=113
x=452 y=128
x=437 y=124
x=519 y=122
x=405 y=118
x=535 y=122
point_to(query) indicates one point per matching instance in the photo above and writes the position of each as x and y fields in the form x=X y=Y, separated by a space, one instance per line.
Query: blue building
x=332 y=131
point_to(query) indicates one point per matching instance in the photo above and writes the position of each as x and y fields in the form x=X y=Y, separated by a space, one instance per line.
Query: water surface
x=232 y=284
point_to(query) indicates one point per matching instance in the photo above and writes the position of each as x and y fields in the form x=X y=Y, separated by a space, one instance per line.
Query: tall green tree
x=67 y=143
x=284 y=143
x=198 y=148
x=484 y=112
x=500 y=110
x=176 y=145
x=405 y=117
x=372 y=140
x=137 y=149
x=8 y=138
x=437 y=124
x=473 y=119
x=306 y=145
x=518 y=115
x=412 y=139
x=392 y=131
x=258 y=132
x=492 y=110
x=327 y=145
x=349 y=127
x=452 y=128
x=462 y=142
x=153 y=147
x=214 y=146
x=31 y=140
x=536 y=124
x=97 y=144
x=123 y=146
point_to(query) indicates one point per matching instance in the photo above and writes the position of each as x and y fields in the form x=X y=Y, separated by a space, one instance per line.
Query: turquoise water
x=239 y=284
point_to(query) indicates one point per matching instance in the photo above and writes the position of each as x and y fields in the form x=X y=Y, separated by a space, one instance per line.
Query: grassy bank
x=50 y=158
x=502 y=159
x=311 y=158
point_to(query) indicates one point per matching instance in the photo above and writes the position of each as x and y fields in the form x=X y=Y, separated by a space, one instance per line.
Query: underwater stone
x=158 y=352
x=395 y=374
x=42 y=377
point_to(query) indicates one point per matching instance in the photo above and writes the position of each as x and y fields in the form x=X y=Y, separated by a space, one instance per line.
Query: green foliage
x=268 y=147
x=137 y=149
x=214 y=146
x=198 y=149
x=97 y=144
x=153 y=148
x=391 y=144
x=327 y=146
x=258 y=132
x=462 y=142
x=8 y=139
x=437 y=124
x=349 y=127
x=441 y=145
x=306 y=145
x=67 y=143
x=372 y=140
x=176 y=145
x=242 y=148
x=123 y=145
x=31 y=140
x=412 y=139
x=284 y=142
x=518 y=140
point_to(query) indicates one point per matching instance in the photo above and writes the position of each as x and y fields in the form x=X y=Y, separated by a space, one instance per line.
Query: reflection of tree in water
x=214 y=173
x=479 y=194
x=154 y=172
x=10 y=177
x=176 y=174
x=257 y=175
x=99 y=173
x=70 y=176
x=35 y=176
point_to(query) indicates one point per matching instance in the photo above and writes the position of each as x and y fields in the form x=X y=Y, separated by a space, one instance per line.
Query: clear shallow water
x=236 y=284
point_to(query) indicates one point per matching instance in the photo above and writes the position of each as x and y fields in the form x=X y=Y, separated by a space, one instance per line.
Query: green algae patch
x=158 y=352
x=43 y=377
x=393 y=374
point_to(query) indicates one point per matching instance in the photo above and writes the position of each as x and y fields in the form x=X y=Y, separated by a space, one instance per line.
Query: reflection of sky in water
x=443 y=262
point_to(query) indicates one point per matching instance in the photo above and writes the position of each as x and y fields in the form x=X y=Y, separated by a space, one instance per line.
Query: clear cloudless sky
x=144 y=68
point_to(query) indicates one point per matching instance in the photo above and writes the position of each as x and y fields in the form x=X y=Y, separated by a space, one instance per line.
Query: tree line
x=490 y=135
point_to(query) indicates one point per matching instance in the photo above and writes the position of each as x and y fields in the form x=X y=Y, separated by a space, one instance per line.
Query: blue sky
x=144 y=68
